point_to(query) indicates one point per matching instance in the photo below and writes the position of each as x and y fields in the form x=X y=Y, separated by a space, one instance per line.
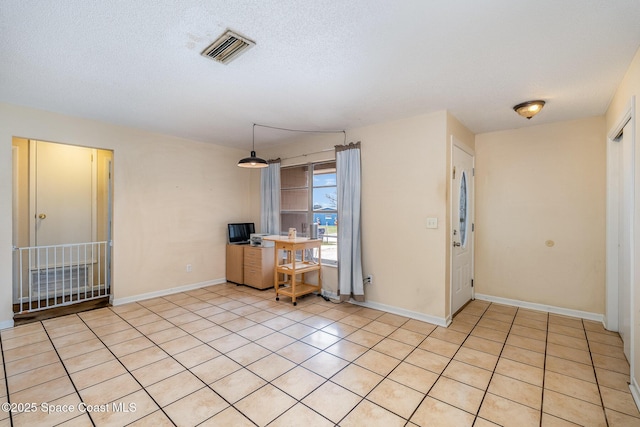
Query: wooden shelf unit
x=290 y=269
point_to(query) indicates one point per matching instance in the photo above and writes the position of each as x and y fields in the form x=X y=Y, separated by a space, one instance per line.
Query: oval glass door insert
x=464 y=209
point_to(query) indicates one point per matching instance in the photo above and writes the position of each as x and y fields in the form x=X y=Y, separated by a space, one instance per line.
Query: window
x=463 y=210
x=309 y=194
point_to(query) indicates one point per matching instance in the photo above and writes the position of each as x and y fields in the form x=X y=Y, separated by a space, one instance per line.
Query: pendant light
x=529 y=109
x=253 y=162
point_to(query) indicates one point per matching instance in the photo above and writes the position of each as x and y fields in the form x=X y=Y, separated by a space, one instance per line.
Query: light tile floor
x=230 y=355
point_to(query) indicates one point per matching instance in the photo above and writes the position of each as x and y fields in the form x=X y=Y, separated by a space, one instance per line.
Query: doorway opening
x=620 y=234
x=62 y=222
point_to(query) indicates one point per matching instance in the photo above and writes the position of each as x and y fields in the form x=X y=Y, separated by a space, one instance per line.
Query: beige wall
x=174 y=196
x=172 y=200
x=404 y=181
x=630 y=87
x=539 y=184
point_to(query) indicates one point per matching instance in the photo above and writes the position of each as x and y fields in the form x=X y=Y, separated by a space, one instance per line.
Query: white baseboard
x=164 y=292
x=6 y=324
x=440 y=321
x=604 y=322
x=543 y=307
x=394 y=310
x=635 y=392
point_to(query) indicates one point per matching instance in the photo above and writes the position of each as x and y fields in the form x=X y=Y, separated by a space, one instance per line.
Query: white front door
x=462 y=228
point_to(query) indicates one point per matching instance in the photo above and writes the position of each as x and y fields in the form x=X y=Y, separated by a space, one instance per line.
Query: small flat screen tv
x=240 y=233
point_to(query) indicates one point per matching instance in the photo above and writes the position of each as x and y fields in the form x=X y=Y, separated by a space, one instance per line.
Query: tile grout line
x=6 y=378
x=493 y=372
x=125 y=368
x=445 y=368
x=385 y=376
x=321 y=350
x=224 y=354
x=595 y=374
x=544 y=369
x=267 y=382
x=326 y=380
x=172 y=356
x=205 y=385
x=206 y=343
x=313 y=327
x=349 y=363
x=297 y=340
x=439 y=376
x=64 y=366
x=571 y=376
x=281 y=315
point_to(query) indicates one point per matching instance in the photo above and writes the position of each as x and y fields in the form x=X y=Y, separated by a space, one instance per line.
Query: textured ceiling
x=320 y=65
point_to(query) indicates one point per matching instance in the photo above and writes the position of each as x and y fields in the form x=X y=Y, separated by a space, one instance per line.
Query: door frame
x=23 y=201
x=612 y=227
x=471 y=185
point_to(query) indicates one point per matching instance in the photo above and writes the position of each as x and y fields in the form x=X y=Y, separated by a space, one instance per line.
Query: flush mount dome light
x=529 y=109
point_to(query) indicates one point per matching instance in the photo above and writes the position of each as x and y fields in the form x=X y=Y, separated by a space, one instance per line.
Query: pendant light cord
x=300 y=130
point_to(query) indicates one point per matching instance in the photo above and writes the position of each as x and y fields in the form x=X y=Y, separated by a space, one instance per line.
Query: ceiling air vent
x=228 y=47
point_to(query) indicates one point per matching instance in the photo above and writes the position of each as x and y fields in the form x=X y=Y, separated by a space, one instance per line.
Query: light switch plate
x=432 y=222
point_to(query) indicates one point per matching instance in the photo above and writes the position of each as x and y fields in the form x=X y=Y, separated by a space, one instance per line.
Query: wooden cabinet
x=258 y=267
x=235 y=264
x=250 y=265
x=296 y=264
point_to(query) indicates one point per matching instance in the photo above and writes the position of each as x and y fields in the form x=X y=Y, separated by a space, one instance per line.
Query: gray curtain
x=349 y=245
x=270 y=198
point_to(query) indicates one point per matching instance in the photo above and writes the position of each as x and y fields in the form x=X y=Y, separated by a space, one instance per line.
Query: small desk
x=292 y=267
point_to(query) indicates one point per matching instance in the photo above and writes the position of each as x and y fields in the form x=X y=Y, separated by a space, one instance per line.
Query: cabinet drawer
x=252 y=276
x=253 y=262
x=253 y=255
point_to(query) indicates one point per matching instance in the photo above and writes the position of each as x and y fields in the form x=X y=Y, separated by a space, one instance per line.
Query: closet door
x=62 y=196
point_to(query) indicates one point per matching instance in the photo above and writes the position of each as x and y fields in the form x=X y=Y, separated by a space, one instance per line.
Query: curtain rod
x=308 y=154
x=319 y=152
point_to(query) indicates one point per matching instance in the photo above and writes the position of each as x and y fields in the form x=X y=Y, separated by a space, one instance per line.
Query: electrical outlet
x=188 y=268
x=368 y=280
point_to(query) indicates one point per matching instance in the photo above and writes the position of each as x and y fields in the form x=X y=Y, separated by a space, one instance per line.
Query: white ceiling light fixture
x=228 y=47
x=529 y=109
